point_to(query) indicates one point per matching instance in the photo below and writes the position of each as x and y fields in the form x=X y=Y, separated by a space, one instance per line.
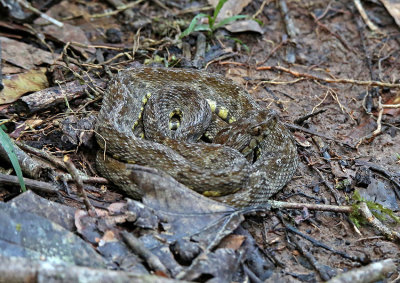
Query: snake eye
x=256 y=131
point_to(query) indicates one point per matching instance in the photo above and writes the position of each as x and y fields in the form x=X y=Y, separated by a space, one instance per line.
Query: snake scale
x=200 y=128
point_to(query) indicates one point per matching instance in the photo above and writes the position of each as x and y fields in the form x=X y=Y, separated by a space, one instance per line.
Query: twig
x=364 y=48
x=59 y=164
x=43 y=15
x=327 y=80
x=30 y=167
x=316 y=243
x=300 y=120
x=162 y=6
x=79 y=185
x=253 y=278
x=139 y=249
x=34 y=185
x=311 y=259
x=311 y=132
x=260 y=10
x=378 y=129
x=364 y=211
x=46 y=98
x=11 y=271
x=310 y=206
x=364 y=15
x=43 y=154
x=335 y=34
x=279 y=82
x=373 y=272
x=104 y=46
x=290 y=27
x=275 y=99
x=119 y=9
x=388 y=233
x=194 y=10
x=327 y=184
x=276 y=48
x=390 y=105
x=325 y=12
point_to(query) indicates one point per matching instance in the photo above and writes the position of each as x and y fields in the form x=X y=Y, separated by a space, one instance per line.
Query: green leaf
x=202 y=28
x=240 y=42
x=8 y=146
x=258 y=21
x=218 y=8
x=192 y=25
x=226 y=21
x=378 y=210
x=211 y=22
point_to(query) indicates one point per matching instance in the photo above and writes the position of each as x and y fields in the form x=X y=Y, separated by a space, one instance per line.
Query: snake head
x=247 y=132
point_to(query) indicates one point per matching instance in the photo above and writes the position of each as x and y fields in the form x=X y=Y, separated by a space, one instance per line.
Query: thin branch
x=327 y=80
x=43 y=15
x=139 y=249
x=79 y=185
x=364 y=15
x=34 y=185
x=118 y=10
x=310 y=206
x=388 y=233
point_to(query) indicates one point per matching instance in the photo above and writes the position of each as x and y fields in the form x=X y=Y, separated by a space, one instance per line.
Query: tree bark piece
x=52 y=96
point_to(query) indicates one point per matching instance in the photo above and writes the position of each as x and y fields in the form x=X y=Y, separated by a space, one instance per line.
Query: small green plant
x=212 y=25
x=237 y=40
x=8 y=146
x=378 y=210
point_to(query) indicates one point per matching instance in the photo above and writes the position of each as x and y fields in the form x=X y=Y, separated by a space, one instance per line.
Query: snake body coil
x=155 y=117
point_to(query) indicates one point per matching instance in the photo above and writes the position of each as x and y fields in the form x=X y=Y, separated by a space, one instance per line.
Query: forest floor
x=332 y=80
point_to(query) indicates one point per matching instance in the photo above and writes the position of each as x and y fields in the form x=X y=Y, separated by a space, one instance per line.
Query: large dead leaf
x=187 y=213
x=58 y=213
x=380 y=193
x=233 y=8
x=246 y=25
x=24 y=55
x=25 y=234
x=393 y=7
x=69 y=32
x=17 y=85
x=230 y=8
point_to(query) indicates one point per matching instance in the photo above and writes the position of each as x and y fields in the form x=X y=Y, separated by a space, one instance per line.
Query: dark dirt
x=338 y=45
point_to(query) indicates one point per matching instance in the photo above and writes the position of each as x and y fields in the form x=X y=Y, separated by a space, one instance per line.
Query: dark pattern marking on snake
x=229 y=169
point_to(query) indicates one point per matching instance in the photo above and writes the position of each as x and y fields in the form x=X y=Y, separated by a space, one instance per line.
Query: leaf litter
x=336 y=60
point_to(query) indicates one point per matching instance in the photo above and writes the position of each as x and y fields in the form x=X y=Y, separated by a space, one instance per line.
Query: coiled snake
x=200 y=128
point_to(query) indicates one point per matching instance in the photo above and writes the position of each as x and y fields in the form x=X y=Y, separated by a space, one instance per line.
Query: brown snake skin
x=248 y=160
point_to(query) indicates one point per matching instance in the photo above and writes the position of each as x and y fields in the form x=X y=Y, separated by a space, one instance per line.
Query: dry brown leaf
x=245 y=25
x=230 y=8
x=232 y=241
x=33 y=123
x=17 y=85
x=67 y=33
x=393 y=7
x=24 y=55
